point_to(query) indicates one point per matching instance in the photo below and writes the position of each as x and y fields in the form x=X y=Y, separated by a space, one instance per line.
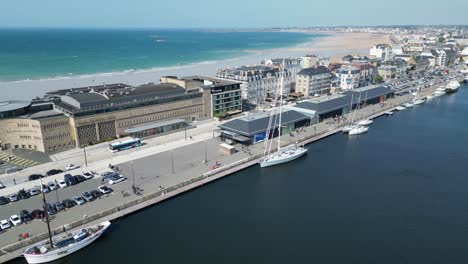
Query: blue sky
x=228 y=14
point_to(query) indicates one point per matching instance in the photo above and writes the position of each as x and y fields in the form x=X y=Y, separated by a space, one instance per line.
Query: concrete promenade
x=166 y=171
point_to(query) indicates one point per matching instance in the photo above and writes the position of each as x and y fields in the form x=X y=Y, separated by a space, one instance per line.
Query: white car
x=61 y=183
x=4 y=224
x=34 y=191
x=116 y=179
x=15 y=220
x=13 y=197
x=104 y=189
x=52 y=185
x=71 y=167
x=87 y=175
x=79 y=200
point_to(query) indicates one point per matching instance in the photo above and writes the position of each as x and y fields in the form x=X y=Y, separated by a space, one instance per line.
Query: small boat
x=64 y=245
x=400 y=108
x=408 y=105
x=348 y=128
x=429 y=98
x=389 y=113
x=358 y=130
x=452 y=87
x=365 y=122
x=286 y=154
x=439 y=92
x=419 y=101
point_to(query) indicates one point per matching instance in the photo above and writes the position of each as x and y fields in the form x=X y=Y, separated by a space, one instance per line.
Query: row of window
x=58 y=137
x=157 y=117
x=23 y=125
x=220 y=96
x=57 y=124
x=25 y=137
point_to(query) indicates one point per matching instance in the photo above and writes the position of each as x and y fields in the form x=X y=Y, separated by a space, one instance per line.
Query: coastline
x=330 y=45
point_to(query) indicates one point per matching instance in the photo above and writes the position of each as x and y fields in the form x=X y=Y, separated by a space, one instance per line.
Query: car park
x=3 y=200
x=69 y=179
x=79 y=200
x=104 y=189
x=116 y=178
x=62 y=183
x=68 y=203
x=22 y=194
x=72 y=167
x=96 y=194
x=4 y=224
x=53 y=172
x=34 y=191
x=13 y=197
x=59 y=206
x=87 y=196
x=52 y=186
x=34 y=177
x=15 y=220
x=87 y=175
x=25 y=216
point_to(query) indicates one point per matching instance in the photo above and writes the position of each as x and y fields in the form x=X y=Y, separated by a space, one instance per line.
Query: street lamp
x=133 y=174
x=172 y=154
x=85 y=157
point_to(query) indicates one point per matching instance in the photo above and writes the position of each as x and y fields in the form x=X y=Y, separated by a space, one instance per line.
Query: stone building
x=312 y=81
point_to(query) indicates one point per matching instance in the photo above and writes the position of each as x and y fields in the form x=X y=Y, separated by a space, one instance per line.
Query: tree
x=441 y=40
x=379 y=79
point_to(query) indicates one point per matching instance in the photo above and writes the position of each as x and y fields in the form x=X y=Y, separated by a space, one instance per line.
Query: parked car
x=2 y=185
x=79 y=200
x=50 y=209
x=13 y=197
x=87 y=196
x=79 y=178
x=15 y=220
x=96 y=194
x=117 y=178
x=34 y=177
x=52 y=186
x=59 y=206
x=38 y=214
x=25 y=216
x=87 y=175
x=104 y=189
x=4 y=224
x=45 y=189
x=22 y=194
x=68 y=203
x=53 y=172
x=62 y=183
x=71 y=167
x=34 y=191
x=3 y=200
x=69 y=179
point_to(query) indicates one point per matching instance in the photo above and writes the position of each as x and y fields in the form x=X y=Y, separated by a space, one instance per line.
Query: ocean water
x=48 y=53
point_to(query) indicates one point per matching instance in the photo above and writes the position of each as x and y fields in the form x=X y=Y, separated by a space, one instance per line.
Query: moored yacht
x=389 y=113
x=400 y=108
x=419 y=101
x=348 y=128
x=408 y=105
x=365 y=122
x=358 y=130
x=284 y=155
x=452 y=87
x=439 y=92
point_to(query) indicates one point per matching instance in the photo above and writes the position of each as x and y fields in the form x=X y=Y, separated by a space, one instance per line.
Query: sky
x=228 y=14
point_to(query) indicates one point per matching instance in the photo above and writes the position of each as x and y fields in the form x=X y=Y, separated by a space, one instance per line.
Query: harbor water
x=398 y=194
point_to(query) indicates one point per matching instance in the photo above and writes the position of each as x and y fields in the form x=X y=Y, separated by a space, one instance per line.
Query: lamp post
x=206 y=152
x=85 y=157
x=133 y=174
x=172 y=154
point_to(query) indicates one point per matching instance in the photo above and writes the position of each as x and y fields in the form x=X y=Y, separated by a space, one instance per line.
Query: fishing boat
x=282 y=155
x=59 y=246
x=452 y=87
x=359 y=130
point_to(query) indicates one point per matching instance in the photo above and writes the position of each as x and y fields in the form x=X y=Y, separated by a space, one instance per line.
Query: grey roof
x=87 y=97
x=369 y=92
x=43 y=114
x=257 y=123
x=154 y=125
x=325 y=104
x=314 y=71
x=6 y=106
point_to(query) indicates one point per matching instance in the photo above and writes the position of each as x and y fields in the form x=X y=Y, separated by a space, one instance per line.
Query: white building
x=313 y=81
x=382 y=51
x=309 y=61
x=348 y=77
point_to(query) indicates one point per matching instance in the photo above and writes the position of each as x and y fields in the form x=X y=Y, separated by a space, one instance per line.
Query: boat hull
x=65 y=251
x=451 y=90
x=358 y=131
x=276 y=161
x=365 y=122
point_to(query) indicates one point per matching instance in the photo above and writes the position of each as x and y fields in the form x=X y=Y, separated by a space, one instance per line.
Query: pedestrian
x=14 y=181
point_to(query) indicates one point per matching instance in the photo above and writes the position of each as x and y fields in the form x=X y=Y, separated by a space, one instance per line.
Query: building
x=382 y=51
x=419 y=63
x=367 y=72
x=348 y=77
x=387 y=72
x=101 y=113
x=34 y=126
x=309 y=61
x=258 y=82
x=252 y=129
x=312 y=81
x=221 y=97
x=440 y=57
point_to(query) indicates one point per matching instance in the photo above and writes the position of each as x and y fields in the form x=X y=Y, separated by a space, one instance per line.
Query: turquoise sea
x=49 y=53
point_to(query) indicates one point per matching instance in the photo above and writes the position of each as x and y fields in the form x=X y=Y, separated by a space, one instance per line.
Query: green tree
x=379 y=79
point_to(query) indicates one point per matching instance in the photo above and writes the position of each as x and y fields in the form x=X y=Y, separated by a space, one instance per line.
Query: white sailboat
x=351 y=124
x=282 y=155
x=59 y=246
x=400 y=108
x=366 y=121
x=408 y=105
x=358 y=130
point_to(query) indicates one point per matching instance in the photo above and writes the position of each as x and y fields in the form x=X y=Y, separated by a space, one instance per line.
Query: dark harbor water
x=398 y=194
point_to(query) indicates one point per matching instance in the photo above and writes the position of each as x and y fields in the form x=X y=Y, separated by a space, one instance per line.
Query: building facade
x=348 y=77
x=312 y=81
x=382 y=51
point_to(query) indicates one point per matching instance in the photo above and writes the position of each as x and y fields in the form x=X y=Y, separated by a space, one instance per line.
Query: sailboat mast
x=46 y=215
x=280 y=107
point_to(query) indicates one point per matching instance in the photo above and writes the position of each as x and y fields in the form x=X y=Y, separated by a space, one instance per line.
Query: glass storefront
x=156 y=129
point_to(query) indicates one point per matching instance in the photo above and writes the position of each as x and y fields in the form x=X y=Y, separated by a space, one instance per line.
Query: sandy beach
x=334 y=45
